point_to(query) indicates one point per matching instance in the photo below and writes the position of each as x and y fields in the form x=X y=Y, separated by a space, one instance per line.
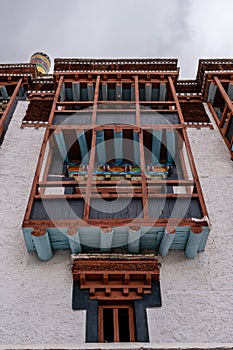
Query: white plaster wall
x=197 y=295
x=35 y=297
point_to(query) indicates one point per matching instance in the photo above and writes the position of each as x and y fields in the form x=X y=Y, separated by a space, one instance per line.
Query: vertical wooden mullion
x=212 y=110
x=9 y=105
x=131 y=324
x=175 y=98
x=188 y=147
x=37 y=174
x=55 y=100
x=141 y=151
x=101 y=325
x=92 y=153
x=46 y=171
x=116 y=325
x=182 y=160
x=194 y=173
x=224 y=115
x=227 y=125
x=228 y=104
x=42 y=150
x=223 y=93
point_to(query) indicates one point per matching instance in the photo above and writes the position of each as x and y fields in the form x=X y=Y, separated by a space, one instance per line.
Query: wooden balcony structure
x=116 y=171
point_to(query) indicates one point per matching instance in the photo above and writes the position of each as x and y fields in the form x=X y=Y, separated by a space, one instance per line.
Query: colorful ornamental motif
x=42 y=62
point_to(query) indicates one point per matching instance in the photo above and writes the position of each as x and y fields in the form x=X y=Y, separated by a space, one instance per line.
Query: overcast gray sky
x=183 y=29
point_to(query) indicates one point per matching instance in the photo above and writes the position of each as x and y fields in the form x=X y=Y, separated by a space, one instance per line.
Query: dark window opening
x=116 y=323
x=124 y=331
x=108 y=325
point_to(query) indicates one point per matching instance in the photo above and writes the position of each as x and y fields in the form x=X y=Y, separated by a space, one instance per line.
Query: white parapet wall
x=197 y=295
x=36 y=297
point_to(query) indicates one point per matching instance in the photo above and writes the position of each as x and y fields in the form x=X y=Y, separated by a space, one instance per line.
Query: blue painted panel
x=171 y=146
x=162 y=92
x=100 y=147
x=142 y=96
x=212 y=93
x=90 y=92
x=182 y=234
x=58 y=238
x=119 y=92
x=61 y=146
x=151 y=240
x=89 y=237
x=132 y=92
x=120 y=238
x=83 y=94
x=126 y=94
x=21 y=91
x=118 y=147
x=4 y=92
x=111 y=94
x=106 y=241
x=83 y=147
x=63 y=93
x=72 y=118
x=166 y=243
x=136 y=148
x=148 y=91
x=116 y=118
x=133 y=241
x=104 y=92
x=76 y=91
x=74 y=242
x=69 y=94
x=156 y=146
x=155 y=94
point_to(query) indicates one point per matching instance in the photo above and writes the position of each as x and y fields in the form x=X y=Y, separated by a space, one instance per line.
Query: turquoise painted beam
x=230 y=91
x=212 y=92
x=90 y=91
x=43 y=246
x=61 y=146
x=118 y=147
x=100 y=147
x=106 y=241
x=74 y=242
x=166 y=242
x=83 y=146
x=148 y=91
x=63 y=93
x=136 y=148
x=27 y=232
x=134 y=241
x=171 y=145
x=105 y=91
x=118 y=92
x=4 y=92
x=156 y=146
x=193 y=244
x=76 y=91
x=162 y=92
x=132 y=92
